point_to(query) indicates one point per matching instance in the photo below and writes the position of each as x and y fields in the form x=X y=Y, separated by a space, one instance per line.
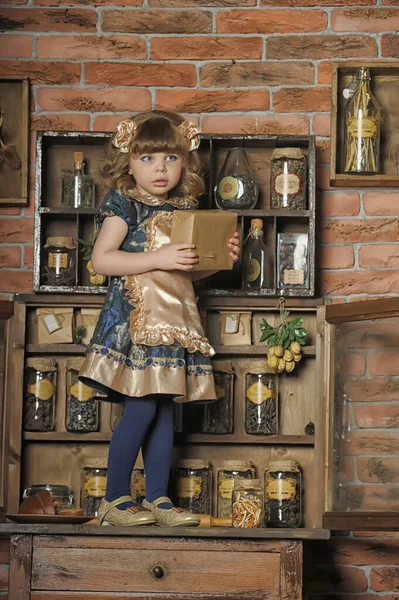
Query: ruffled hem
x=169 y=335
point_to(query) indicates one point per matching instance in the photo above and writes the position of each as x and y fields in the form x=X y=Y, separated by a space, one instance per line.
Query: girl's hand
x=234 y=247
x=176 y=256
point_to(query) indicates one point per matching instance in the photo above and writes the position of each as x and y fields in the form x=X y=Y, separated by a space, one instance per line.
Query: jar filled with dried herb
x=218 y=416
x=247 y=503
x=261 y=404
x=228 y=473
x=236 y=187
x=81 y=405
x=283 y=494
x=59 y=261
x=288 y=179
x=40 y=393
x=138 y=481
x=93 y=487
x=194 y=485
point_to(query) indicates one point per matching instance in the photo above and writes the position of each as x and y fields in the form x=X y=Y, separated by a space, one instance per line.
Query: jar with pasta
x=261 y=407
x=93 y=487
x=228 y=473
x=40 y=394
x=138 y=481
x=81 y=404
x=218 y=416
x=283 y=491
x=247 y=504
x=193 y=479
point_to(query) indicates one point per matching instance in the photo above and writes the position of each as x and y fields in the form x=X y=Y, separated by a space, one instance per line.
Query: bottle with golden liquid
x=256 y=272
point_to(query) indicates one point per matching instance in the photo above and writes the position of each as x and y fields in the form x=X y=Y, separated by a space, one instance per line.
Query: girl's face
x=157 y=173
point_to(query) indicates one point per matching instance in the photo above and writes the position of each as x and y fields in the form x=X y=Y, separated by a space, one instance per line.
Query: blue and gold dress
x=149 y=338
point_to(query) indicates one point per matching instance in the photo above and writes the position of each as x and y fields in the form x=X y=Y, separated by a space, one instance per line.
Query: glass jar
x=218 y=416
x=283 y=494
x=40 y=394
x=229 y=472
x=60 y=494
x=138 y=481
x=247 y=503
x=59 y=261
x=261 y=404
x=257 y=269
x=288 y=179
x=117 y=411
x=236 y=187
x=78 y=188
x=81 y=405
x=93 y=486
x=194 y=485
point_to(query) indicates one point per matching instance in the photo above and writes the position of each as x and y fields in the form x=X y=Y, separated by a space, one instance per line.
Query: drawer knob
x=158 y=571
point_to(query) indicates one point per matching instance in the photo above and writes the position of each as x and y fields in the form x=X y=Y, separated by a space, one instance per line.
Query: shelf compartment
x=308 y=351
x=250 y=440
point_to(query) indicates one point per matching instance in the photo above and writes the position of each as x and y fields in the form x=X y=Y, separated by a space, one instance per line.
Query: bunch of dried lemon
x=284 y=342
x=281 y=360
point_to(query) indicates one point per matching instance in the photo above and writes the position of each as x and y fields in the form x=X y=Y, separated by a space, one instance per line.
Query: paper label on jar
x=220 y=392
x=287 y=184
x=95 y=485
x=58 y=260
x=52 y=323
x=189 y=487
x=226 y=489
x=363 y=128
x=81 y=391
x=139 y=485
x=253 y=269
x=294 y=277
x=231 y=323
x=43 y=389
x=258 y=392
x=281 y=489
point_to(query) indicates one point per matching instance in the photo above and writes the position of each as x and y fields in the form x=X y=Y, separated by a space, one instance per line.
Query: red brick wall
x=239 y=66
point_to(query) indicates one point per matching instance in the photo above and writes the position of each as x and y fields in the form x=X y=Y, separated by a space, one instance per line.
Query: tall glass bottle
x=362 y=128
x=78 y=189
x=256 y=273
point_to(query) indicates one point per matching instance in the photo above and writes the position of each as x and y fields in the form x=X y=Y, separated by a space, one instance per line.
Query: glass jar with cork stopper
x=59 y=261
x=78 y=189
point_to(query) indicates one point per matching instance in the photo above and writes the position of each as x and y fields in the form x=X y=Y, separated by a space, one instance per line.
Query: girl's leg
x=125 y=444
x=157 y=451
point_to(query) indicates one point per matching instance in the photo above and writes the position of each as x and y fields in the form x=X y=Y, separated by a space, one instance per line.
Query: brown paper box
x=210 y=231
x=88 y=318
x=235 y=328
x=64 y=335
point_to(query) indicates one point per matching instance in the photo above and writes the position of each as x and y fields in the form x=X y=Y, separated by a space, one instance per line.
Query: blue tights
x=147 y=423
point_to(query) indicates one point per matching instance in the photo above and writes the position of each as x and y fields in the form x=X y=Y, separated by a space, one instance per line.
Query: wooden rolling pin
x=209 y=521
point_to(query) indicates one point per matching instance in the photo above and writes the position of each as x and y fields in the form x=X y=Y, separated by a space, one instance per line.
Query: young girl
x=148 y=347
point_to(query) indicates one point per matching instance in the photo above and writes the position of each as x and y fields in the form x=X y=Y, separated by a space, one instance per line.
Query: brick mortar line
x=107 y=33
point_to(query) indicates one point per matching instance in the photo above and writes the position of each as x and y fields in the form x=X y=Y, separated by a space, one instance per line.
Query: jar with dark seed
x=81 y=405
x=93 y=487
x=193 y=479
x=283 y=494
x=261 y=405
x=40 y=394
x=288 y=179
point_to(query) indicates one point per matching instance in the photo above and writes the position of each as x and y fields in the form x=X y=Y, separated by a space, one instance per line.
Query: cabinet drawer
x=223 y=571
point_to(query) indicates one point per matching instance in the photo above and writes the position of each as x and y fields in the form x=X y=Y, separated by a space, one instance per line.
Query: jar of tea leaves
x=247 y=503
x=40 y=394
x=93 y=486
x=138 y=481
x=283 y=494
x=59 y=261
x=218 y=416
x=193 y=479
x=228 y=473
x=261 y=406
x=288 y=179
x=81 y=405
x=236 y=187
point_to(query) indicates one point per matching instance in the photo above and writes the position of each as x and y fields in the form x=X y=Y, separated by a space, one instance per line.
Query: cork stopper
x=78 y=159
x=291 y=466
x=256 y=224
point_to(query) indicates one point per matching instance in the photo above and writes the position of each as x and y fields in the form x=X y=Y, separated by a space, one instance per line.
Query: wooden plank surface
x=41 y=595
x=20 y=567
x=361 y=521
x=291 y=570
x=362 y=311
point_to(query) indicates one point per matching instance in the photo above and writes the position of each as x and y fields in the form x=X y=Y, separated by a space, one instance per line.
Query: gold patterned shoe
x=171 y=517
x=108 y=514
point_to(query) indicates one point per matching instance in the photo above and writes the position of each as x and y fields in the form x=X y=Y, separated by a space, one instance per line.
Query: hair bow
x=125 y=133
x=191 y=133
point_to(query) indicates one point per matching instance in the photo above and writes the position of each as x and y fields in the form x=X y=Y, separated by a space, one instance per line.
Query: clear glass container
x=40 y=394
x=93 y=486
x=283 y=494
x=117 y=411
x=138 y=481
x=229 y=472
x=218 y=416
x=261 y=404
x=256 y=266
x=236 y=187
x=78 y=189
x=59 y=261
x=193 y=480
x=288 y=179
x=247 y=504
x=81 y=404
x=362 y=128
x=61 y=494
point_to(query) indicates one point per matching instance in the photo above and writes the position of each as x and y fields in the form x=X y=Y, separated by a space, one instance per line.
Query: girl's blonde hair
x=157 y=131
